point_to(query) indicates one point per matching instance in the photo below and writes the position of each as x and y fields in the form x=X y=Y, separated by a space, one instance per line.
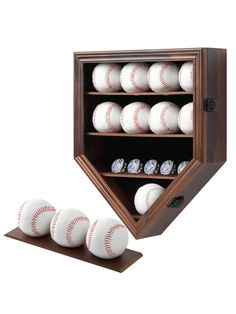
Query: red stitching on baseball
x=147 y=201
x=108 y=71
x=107 y=75
x=149 y=77
x=135 y=67
x=162 y=80
x=36 y=215
x=162 y=117
x=20 y=212
x=136 y=114
x=191 y=74
x=108 y=117
x=90 y=234
x=70 y=229
x=54 y=222
x=108 y=237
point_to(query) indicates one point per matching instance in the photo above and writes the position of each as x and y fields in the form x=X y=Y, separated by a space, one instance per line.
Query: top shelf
x=122 y=134
x=139 y=94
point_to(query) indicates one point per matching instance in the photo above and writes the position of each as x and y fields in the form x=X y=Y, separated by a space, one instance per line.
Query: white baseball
x=133 y=77
x=163 y=118
x=106 y=117
x=146 y=195
x=34 y=217
x=186 y=76
x=106 y=77
x=163 y=77
x=185 y=119
x=134 y=118
x=107 y=238
x=69 y=227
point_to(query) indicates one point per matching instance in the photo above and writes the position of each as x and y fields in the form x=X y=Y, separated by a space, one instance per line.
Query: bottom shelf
x=118 y=264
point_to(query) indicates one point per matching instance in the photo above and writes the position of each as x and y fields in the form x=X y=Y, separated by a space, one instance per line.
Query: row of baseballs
x=105 y=238
x=140 y=77
x=163 y=118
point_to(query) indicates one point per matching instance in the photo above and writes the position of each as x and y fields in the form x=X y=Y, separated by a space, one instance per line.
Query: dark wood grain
x=118 y=264
x=205 y=148
x=138 y=94
x=140 y=135
x=137 y=176
x=214 y=86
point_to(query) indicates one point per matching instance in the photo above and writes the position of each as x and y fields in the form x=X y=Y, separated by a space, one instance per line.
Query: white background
x=191 y=267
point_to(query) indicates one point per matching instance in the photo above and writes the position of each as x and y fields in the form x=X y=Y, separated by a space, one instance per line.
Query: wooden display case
x=205 y=148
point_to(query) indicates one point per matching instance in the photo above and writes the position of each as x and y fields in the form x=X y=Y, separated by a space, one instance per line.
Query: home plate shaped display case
x=204 y=148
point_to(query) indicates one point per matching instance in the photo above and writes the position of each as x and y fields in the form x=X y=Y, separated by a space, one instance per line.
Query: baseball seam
x=149 y=77
x=136 y=116
x=70 y=229
x=90 y=234
x=191 y=74
x=180 y=119
x=132 y=76
x=162 y=80
x=108 y=117
x=107 y=76
x=54 y=222
x=162 y=118
x=40 y=211
x=108 y=238
x=20 y=212
x=191 y=115
x=147 y=199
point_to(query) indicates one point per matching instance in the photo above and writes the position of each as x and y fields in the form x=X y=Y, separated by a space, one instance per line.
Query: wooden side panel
x=214 y=86
x=78 y=107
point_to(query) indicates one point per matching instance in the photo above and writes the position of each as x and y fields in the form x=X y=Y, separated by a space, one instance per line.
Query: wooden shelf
x=137 y=176
x=118 y=264
x=139 y=94
x=140 y=135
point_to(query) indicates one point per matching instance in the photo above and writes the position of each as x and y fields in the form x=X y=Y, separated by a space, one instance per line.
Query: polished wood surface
x=138 y=94
x=137 y=175
x=81 y=253
x=139 y=135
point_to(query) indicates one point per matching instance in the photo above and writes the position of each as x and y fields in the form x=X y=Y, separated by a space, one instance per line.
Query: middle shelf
x=137 y=175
